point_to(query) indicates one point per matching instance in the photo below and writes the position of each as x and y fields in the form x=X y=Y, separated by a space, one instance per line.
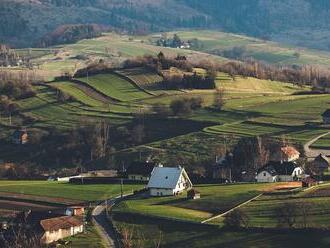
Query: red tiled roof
x=290 y=151
x=63 y=222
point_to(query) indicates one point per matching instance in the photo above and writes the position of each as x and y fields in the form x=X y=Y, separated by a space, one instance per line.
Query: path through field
x=313 y=153
x=101 y=222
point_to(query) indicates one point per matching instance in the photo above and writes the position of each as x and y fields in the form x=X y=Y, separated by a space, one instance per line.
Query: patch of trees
x=311 y=75
x=189 y=81
x=159 y=63
x=71 y=33
x=174 y=42
x=184 y=78
x=251 y=154
x=16 y=90
x=185 y=106
x=8 y=57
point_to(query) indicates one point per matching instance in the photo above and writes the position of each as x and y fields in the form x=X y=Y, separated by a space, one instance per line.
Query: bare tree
x=236 y=219
x=305 y=212
x=219 y=99
x=287 y=214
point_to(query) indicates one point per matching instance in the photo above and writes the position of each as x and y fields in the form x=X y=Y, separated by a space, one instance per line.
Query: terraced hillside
x=115 y=87
x=145 y=79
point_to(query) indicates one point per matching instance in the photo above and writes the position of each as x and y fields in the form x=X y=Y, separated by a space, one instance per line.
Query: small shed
x=322 y=163
x=193 y=194
x=309 y=182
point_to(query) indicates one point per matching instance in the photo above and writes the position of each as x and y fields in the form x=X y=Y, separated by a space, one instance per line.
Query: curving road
x=313 y=153
x=102 y=225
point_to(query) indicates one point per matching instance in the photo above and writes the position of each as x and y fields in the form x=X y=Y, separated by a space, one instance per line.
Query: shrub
x=236 y=219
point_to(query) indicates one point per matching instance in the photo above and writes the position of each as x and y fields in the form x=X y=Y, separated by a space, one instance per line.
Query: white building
x=279 y=172
x=168 y=181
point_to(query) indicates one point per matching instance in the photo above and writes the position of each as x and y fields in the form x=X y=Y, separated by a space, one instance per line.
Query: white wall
x=265 y=177
x=161 y=192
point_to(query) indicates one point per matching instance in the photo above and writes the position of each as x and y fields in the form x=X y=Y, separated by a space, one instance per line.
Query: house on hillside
x=279 y=172
x=286 y=154
x=62 y=227
x=222 y=169
x=326 y=117
x=168 y=181
x=140 y=171
x=51 y=226
x=321 y=163
x=20 y=137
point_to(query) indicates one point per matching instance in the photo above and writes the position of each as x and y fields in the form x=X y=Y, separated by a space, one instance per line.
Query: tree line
x=183 y=78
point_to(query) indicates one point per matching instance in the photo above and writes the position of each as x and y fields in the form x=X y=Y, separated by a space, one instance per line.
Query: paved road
x=102 y=224
x=313 y=153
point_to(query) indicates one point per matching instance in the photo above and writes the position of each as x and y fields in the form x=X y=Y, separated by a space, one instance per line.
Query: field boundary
x=231 y=210
x=133 y=83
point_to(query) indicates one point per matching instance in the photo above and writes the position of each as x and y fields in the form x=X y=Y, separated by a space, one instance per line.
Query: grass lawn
x=262 y=212
x=149 y=231
x=72 y=90
x=89 y=239
x=270 y=52
x=66 y=190
x=115 y=87
x=215 y=200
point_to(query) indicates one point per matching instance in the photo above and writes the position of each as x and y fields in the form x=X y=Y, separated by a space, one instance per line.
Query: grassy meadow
x=149 y=231
x=215 y=199
x=271 y=52
x=83 y=193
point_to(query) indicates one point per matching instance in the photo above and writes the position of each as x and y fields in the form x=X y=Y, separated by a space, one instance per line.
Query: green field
x=262 y=212
x=89 y=239
x=271 y=52
x=115 y=87
x=73 y=90
x=215 y=199
x=143 y=78
x=149 y=231
x=84 y=193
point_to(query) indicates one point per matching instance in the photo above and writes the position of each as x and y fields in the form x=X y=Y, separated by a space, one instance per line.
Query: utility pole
x=121 y=183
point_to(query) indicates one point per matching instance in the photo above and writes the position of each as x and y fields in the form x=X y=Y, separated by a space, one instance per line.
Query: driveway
x=102 y=223
x=313 y=153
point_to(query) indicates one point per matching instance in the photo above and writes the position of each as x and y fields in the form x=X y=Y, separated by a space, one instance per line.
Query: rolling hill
x=299 y=22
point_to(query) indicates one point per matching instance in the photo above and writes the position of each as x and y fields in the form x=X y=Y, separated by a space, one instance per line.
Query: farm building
x=20 y=137
x=51 y=226
x=279 y=172
x=62 y=227
x=223 y=167
x=308 y=182
x=286 y=154
x=140 y=171
x=166 y=181
x=322 y=164
x=326 y=117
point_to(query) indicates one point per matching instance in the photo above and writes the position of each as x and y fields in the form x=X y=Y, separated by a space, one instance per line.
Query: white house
x=167 y=181
x=279 y=172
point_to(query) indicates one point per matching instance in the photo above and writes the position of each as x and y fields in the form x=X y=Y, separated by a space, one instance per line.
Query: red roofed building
x=286 y=154
x=61 y=227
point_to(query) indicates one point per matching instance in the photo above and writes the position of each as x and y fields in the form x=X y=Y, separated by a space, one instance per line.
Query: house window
x=264 y=174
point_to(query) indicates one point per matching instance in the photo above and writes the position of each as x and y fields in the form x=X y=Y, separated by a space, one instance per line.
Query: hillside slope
x=299 y=22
